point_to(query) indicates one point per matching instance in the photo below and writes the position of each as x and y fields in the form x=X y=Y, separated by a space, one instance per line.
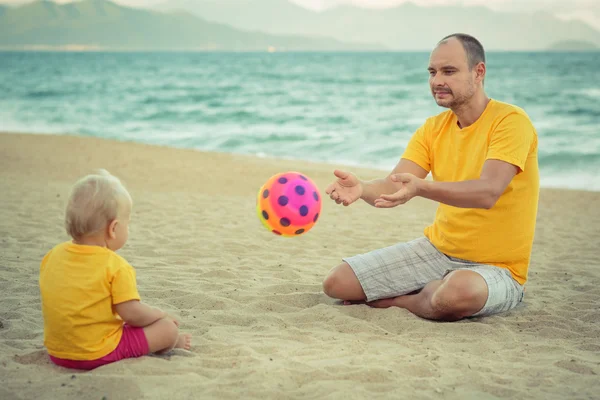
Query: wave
x=44 y=94
x=569 y=159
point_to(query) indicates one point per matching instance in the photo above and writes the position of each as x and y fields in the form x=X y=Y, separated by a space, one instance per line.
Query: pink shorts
x=133 y=344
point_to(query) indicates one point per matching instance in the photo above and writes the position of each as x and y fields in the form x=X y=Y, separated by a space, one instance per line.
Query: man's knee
x=342 y=283
x=332 y=284
x=329 y=285
x=462 y=294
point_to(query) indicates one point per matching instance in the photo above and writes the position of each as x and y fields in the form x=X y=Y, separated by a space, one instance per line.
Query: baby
x=91 y=306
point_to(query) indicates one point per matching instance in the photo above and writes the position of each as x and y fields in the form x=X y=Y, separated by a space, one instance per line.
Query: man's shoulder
x=442 y=116
x=504 y=109
x=507 y=114
x=435 y=122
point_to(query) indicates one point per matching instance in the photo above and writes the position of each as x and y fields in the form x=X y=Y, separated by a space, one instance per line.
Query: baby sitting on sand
x=91 y=307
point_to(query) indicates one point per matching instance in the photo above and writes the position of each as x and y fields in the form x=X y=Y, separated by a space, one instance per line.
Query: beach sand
x=262 y=327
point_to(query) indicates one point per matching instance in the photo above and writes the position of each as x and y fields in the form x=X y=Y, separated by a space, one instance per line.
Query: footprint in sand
x=573 y=366
x=39 y=357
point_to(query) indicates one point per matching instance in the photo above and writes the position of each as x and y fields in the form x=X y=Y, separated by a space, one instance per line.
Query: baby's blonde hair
x=95 y=201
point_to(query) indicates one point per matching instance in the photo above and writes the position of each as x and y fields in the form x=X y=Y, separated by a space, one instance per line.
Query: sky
x=585 y=10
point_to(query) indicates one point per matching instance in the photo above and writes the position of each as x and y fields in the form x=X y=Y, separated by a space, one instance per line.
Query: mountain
x=102 y=24
x=265 y=15
x=405 y=27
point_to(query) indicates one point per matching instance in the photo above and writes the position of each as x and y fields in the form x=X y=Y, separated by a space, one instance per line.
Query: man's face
x=452 y=84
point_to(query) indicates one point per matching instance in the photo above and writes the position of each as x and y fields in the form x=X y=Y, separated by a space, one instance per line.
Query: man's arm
x=478 y=193
x=372 y=190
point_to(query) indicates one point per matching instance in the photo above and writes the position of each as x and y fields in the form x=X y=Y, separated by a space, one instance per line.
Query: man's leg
x=342 y=283
x=391 y=271
x=460 y=294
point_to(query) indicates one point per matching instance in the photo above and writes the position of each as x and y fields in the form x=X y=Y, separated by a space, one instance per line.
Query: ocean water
x=352 y=108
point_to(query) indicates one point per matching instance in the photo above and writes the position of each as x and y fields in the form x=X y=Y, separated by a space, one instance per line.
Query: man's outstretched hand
x=346 y=189
x=410 y=185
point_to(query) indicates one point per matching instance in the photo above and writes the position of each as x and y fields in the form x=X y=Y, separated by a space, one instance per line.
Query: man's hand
x=346 y=189
x=410 y=186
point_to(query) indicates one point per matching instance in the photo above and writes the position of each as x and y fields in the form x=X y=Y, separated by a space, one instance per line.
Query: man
x=482 y=153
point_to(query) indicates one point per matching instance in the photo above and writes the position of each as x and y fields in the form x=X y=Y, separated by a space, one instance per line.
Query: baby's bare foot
x=184 y=341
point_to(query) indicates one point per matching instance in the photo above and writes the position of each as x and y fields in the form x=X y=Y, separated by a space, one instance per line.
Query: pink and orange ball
x=288 y=204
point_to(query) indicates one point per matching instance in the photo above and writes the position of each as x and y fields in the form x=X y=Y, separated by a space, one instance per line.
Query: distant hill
x=574 y=45
x=405 y=27
x=280 y=16
x=101 y=24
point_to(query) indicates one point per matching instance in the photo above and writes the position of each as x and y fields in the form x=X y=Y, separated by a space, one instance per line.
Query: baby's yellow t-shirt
x=503 y=235
x=79 y=286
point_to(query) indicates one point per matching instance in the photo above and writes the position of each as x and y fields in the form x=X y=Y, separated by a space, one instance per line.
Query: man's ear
x=112 y=227
x=480 y=71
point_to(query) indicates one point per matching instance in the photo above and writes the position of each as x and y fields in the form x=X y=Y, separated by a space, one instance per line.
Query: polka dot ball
x=288 y=204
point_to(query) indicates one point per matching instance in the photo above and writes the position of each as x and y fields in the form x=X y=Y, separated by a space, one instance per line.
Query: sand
x=262 y=326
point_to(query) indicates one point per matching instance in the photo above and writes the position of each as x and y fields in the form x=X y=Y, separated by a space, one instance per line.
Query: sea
x=358 y=109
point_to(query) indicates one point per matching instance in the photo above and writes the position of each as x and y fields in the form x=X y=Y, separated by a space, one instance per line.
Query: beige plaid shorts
x=407 y=267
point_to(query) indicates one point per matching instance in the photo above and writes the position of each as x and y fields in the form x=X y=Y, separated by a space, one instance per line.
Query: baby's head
x=98 y=211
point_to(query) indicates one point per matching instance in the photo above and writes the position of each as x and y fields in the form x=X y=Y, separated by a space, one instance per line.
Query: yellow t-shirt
x=79 y=286
x=503 y=235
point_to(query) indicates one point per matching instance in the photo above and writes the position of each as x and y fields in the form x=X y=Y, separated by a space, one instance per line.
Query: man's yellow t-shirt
x=79 y=286
x=503 y=235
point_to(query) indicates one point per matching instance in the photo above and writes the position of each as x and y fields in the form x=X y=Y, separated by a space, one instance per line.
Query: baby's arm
x=136 y=313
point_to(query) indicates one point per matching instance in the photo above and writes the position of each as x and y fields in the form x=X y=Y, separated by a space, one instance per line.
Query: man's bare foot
x=386 y=303
x=352 y=302
x=184 y=341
